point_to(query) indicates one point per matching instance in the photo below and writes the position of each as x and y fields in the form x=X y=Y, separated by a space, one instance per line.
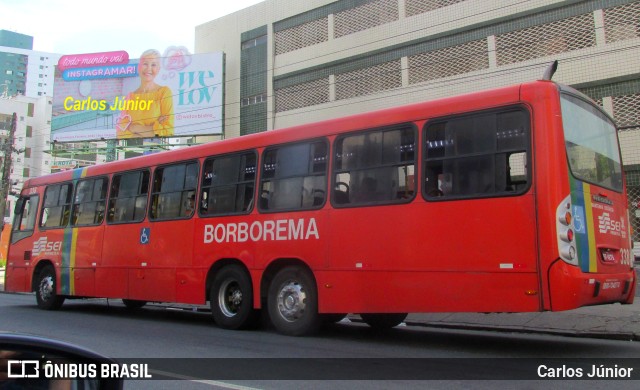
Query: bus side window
x=173 y=191
x=24 y=217
x=377 y=166
x=228 y=184
x=56 y=211
x=516 y=171
x=89 y=202
x=128 y=197
x=294 y=176
x=477 y=155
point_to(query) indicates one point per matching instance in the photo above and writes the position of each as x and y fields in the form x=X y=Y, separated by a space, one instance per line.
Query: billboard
x=108 y=96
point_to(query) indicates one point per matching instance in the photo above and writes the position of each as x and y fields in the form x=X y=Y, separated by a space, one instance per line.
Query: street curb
x=623 y=336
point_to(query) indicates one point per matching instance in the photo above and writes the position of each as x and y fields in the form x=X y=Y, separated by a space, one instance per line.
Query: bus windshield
x=592 y=144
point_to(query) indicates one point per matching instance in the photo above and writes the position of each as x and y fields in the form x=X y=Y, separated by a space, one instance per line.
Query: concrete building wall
x=315 y=50
x=326 y=59
x=38 y=69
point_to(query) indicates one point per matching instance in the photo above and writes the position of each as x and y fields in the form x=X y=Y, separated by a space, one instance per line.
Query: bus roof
x=374 y=119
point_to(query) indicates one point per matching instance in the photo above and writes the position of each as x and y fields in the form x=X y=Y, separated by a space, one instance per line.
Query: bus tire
x=383 y=320
x=46 y=286
x=133 y=304
x=293 y=302
x=231 y=299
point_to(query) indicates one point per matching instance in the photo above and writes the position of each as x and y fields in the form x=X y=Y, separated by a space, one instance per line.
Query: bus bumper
x=17 y=279
x=571 y=288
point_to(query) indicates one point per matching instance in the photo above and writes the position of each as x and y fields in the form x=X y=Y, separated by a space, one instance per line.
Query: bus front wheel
x=46 y=294
x=383 y=320
x=231 y=298
x=293 y=302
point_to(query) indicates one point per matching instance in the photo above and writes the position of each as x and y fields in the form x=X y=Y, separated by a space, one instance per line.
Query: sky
x=76 y=27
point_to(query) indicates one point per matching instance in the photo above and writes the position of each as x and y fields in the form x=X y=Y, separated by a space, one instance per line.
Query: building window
x=261 y=40
x=256 y=99
x=27 y=153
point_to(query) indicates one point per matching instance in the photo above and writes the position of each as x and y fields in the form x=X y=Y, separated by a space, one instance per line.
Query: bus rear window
x=592 y=143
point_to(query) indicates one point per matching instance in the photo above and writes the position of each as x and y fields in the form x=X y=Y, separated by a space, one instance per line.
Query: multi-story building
x=29 y=142
x=26 y=88
x=290 y=62
x=24 y=71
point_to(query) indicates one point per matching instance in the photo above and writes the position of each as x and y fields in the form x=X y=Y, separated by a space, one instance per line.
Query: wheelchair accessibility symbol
x=145 y=235
x=579 y=220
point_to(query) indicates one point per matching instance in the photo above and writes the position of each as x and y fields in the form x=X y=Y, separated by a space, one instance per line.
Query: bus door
x=82 y=242
x=124 y=247
x=21 y=245
x=167 y=237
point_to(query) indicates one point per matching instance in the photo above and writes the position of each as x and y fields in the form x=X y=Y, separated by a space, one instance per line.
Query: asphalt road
x=177 y=335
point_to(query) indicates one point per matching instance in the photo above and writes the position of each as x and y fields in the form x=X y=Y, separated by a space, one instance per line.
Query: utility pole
x=7 y=149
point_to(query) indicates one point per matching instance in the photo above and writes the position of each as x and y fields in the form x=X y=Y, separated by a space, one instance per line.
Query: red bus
x=509 y=200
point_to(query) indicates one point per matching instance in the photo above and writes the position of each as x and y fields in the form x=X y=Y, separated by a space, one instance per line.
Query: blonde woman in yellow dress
x=157 y=119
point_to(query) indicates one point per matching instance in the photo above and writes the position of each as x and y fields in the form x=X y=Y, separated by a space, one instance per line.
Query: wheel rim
x=46 y=288
x=292 y=300
x=230 y=298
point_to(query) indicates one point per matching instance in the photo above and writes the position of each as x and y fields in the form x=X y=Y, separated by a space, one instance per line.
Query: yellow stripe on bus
x=593 y=253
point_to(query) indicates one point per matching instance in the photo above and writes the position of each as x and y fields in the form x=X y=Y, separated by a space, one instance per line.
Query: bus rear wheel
x=231 y=298
x=383 y=320
x=46 y=294
x=293 y=302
